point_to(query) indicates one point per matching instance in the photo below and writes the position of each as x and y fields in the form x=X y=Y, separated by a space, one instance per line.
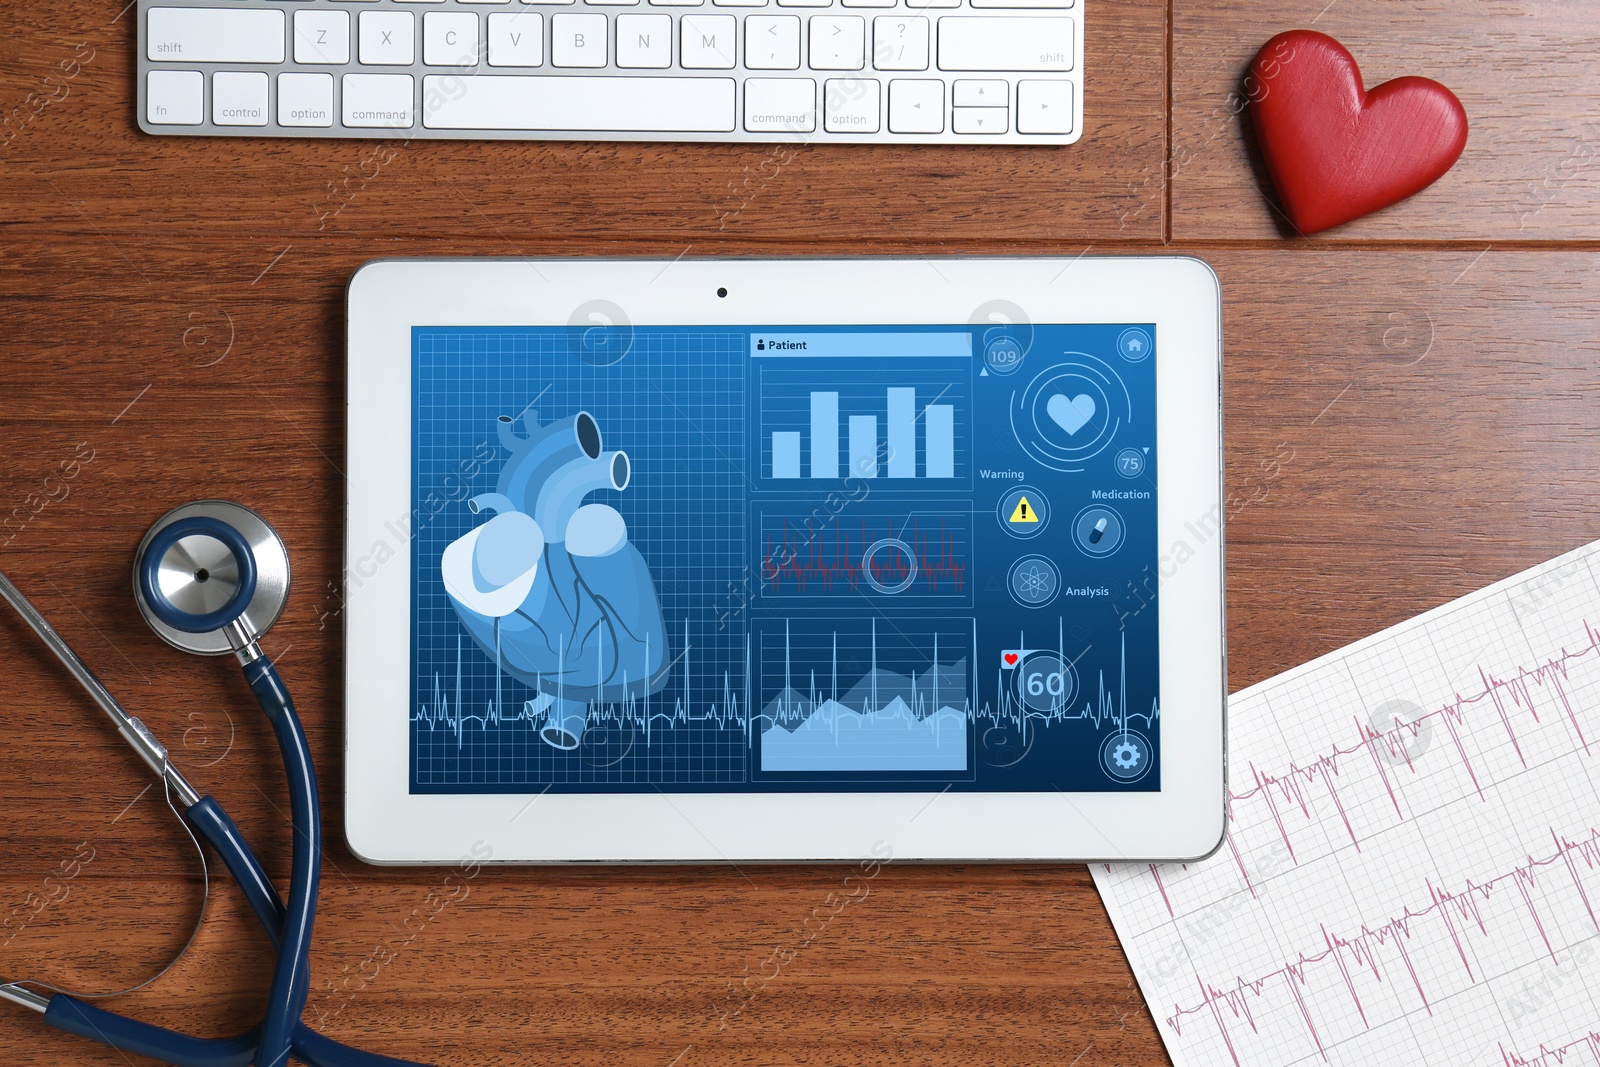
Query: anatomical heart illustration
x=550 y=587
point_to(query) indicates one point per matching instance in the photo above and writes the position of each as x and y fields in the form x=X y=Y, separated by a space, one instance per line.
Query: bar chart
x=900 y=432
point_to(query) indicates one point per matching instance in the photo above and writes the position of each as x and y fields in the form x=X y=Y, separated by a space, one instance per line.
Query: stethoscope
x=211 y=578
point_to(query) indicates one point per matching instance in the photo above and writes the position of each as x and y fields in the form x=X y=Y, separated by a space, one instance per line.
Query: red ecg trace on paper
x=1373 y=893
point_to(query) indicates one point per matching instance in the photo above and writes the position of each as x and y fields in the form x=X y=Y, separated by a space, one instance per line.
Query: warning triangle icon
x=1023 y=512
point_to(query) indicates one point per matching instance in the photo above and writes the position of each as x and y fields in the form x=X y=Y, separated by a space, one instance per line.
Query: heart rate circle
x=1070 y=412
x=1045 y=682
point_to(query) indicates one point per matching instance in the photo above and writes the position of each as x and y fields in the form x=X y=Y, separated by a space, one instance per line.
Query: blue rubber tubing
x=74 y=1016
x=291 y=975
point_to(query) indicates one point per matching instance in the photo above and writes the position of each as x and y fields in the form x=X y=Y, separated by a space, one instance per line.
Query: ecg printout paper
x=1412 y=870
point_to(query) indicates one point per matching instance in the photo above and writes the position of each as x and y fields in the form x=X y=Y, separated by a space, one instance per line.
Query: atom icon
x=1034 y=580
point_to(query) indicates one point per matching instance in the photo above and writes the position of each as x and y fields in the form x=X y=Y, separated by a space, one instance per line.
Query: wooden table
x=173 y=328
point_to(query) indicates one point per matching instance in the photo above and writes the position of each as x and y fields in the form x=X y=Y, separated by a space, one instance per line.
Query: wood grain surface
x=1527 y=72
x=1405 y=423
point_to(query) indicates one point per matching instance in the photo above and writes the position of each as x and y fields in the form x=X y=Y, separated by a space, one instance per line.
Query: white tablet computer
x=705 y=560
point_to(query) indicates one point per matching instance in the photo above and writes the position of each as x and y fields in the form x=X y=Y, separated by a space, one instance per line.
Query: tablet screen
x=783 y=559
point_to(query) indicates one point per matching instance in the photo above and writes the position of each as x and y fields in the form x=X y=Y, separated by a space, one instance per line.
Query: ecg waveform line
x=727 y=712
x=1550 y=1057
x=1361 y=949
x=793 y=556
x=882 y=691
x=1290 y=785
x=649 y=713
x=1245 y=973
x=1106 y=706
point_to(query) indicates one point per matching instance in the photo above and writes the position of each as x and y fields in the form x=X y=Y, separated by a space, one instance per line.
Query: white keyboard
x=868 y=71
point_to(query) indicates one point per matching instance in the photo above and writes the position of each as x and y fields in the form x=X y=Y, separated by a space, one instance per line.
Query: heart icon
x=1335 y=151
x=1011 y=659
x=1071 y=415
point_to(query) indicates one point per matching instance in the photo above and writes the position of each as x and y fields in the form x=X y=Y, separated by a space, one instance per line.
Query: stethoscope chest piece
x=205 y=565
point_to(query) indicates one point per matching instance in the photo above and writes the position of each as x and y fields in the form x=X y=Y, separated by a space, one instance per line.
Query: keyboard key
x=920 y=5
x=516 y=39
x=805 y=3
x=305 y=99
x=772 y=42
x=548 y=2
x=239 y=98
x=850 y=105
x=967 y=43
x=379 y=100
x=1044 y=106
x=175 y=98
x=707 y=42
x=980 y=119
x=868 y=3
x=215 y=35
x=916 y=105
x=322 y=36
x=900 y=42
x=1062 y=4
x=837 y=42
x=740 y=3
x=387 y=38
x=981 y=92
x=780 y=105
x=450 y=39
x=576 y=102
x=678 y=3
x=644 y=41
x=578 y=40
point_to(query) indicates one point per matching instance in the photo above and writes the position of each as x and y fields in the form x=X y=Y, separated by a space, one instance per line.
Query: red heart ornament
x=1336 y=152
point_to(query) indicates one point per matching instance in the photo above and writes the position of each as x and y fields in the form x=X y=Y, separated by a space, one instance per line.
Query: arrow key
x=1044 y=106
x=916 y=105
x=980 y=120
x=982 y=92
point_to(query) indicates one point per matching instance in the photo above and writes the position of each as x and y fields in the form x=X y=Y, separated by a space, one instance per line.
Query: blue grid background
x=675 y=404
x=679 y=403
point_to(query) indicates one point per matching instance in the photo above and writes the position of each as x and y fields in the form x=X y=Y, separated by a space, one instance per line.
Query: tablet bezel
x=386 y=823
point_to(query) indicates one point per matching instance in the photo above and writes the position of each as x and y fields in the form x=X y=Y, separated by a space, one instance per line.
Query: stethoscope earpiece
x=206 y=566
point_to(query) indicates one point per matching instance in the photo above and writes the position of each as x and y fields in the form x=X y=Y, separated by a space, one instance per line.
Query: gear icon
x=1126 y=754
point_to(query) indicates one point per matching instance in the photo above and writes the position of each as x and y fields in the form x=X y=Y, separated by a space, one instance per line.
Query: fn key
x=1044 y=106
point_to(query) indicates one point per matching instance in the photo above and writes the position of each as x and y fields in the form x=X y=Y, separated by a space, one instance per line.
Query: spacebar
x=538 y=102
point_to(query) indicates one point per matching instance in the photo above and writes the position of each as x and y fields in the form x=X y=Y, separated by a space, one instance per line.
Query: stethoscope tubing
x=213 y=824
x=291 y=977
x=282 y=1032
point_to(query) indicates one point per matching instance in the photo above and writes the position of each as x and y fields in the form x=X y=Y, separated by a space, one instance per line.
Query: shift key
x=1002 y=43
x=215 y=35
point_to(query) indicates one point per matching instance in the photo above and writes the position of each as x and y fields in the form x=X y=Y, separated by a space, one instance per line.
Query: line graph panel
x=907 y=557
